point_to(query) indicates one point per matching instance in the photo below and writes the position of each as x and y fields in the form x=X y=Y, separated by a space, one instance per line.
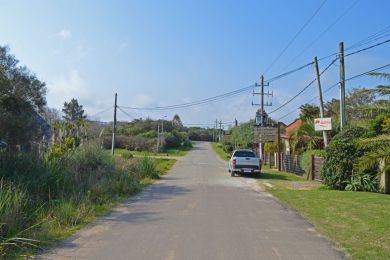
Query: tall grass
x=42 y=199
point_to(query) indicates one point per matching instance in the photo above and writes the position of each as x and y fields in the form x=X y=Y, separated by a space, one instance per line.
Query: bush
x=340 y=158
x=146 y=167
x=39 y=195
x=133 y=143
x=362 y=182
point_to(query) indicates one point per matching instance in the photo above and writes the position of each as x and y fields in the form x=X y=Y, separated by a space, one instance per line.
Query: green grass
x=164 y=165
x=359 y=222
x=219 y=150
x=182 y=151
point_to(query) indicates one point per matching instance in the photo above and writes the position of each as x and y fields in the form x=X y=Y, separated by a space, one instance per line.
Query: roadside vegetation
x=55 y=175
x=218 y=148
x=172 y=152
x=356 y=221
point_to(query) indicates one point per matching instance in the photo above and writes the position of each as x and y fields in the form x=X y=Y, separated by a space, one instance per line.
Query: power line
x=295 y=37
x=367 y=48
x=378 y=35
x=306 y=87
x=127 y=114
x=328 y=56
x=241 y=90
x=195 y=103
x=101 y=112
x=322 y=33
x=336 y=84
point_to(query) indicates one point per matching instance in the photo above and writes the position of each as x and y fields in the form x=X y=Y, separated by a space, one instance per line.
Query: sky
x=158 y=53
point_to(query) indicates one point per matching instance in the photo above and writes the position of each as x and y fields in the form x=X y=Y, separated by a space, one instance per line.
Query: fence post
x=313 y=167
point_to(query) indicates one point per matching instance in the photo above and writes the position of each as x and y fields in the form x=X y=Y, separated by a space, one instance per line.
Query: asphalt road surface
x=197 y=211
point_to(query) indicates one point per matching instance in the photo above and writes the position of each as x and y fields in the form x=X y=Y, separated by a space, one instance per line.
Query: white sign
x=321 y=124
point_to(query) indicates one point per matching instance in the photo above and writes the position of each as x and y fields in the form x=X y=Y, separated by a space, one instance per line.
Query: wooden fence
x=292 y=163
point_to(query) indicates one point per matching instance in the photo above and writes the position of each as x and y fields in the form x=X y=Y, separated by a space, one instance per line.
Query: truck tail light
x=260 y=162
x=234 y=162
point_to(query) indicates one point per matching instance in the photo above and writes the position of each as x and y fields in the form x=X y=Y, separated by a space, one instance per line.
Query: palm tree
x=378 y=147
x=305 y=138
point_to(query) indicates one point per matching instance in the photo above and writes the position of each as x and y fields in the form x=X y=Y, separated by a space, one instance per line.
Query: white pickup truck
x=244 y=161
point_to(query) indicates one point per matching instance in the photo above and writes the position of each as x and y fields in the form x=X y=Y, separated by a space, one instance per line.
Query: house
x=288 y=130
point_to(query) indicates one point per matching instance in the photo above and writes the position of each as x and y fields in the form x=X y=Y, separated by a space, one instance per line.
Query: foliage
x=305 y=138
x=176 y=122
x=175 y=139
x=73 y=112
x=308 y=112
x=218 y=148
x=174 y=135
x=242 y=135
x=200 y=134
x=41 y=199
x=21 y=95
x=305 y=161
x=146 y=167
x=132 y=143
x=378 y=152
x=341 y=155
x=362 y=182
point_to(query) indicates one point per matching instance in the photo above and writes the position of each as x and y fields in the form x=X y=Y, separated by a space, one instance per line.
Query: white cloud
x=66 y=87
x=64 y=34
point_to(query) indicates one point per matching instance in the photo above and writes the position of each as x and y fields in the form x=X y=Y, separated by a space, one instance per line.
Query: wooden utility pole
x=279 y=149
x=342 y=87
x=220 y=131
x=324 y=134
x=261 y=145
x=158 y=136
x=114 y=127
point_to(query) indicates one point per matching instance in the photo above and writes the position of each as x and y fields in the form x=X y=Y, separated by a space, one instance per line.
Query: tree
x=21 y=96
x=305 y=138
x=73 y=112
x=176 y=121
x=308 y=112
x=355 y=99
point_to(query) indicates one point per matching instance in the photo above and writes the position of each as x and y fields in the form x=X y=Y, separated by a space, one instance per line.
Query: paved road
x=198 y=211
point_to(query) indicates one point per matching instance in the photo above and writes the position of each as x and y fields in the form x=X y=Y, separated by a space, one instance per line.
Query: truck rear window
x=244 y=154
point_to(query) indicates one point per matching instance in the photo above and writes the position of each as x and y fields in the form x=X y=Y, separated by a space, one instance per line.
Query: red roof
x=291 y=128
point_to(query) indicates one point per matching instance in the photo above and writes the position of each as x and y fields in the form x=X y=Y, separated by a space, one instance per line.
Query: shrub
x=146 y=167
x=134 y=143
x=341 y=155
x=362 y=182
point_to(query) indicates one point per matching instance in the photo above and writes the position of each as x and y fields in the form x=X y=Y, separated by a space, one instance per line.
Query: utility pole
x=114 y=127
x=220 y=130
x=342 y=87
x=216 y=129
x=262 y=111
x=279 y=149
x=324 y=134
x=158 y=136
x=261 y=145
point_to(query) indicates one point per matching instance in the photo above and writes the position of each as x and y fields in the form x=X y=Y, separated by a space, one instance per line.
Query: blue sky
x=156 y=53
